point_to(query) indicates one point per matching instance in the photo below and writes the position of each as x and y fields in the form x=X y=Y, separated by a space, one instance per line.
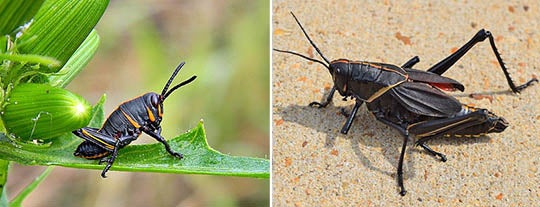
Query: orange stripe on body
x=133 y=122
x=150 y=114
x=96 y=156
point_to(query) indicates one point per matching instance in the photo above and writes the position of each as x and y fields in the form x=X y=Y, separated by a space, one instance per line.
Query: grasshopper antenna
x=165 y=93
x=327 y=65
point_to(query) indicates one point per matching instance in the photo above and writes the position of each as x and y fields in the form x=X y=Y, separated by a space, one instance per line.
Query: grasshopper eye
x=154 y=100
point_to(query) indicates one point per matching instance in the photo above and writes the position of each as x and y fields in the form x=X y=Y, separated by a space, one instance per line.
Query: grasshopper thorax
x=154 y=108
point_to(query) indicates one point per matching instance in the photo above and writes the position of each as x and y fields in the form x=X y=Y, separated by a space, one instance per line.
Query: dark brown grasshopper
x=412 y=101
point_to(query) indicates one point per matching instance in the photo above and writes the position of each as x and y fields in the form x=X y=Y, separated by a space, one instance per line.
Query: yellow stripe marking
x=468 y=135
x=150 y=114
x=383 y=90
x=133 y=122
x=443 y=128
x=97 y=139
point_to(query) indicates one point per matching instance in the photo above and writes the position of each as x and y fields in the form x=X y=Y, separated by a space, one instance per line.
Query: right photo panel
x=417 y=103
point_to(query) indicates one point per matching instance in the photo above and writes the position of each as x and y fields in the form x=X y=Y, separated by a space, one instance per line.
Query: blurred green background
x=224 y=43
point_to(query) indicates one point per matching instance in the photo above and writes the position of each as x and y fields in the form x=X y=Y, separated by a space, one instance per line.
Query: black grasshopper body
x=412 y=101
x=126 y=124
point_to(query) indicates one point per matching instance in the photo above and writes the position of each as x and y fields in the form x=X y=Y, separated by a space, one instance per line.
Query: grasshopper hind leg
x=441 y=156
x=442 y=66
x=471 y=122
x=110 y=160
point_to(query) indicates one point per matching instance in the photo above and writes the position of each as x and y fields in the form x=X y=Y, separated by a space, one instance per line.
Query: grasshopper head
x=341 y=73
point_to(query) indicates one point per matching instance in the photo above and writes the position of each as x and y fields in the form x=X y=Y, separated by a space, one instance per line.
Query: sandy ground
x=315 y=165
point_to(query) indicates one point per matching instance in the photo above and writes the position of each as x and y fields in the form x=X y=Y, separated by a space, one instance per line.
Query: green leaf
x=98 y=116
x=199 y=157
x=3 y=198
x=16 y=13
x=17 y=201
x=32 y=59
x=59 y=27
x=60 y=31
x=77 y=62
x=4 y=167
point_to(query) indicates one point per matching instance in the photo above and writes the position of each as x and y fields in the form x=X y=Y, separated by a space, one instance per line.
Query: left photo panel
x=135 y=103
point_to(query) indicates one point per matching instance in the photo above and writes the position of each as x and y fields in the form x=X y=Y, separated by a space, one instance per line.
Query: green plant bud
x=41 y=112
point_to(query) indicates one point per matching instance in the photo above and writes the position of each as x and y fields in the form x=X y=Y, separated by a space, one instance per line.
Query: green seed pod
x=39 y=111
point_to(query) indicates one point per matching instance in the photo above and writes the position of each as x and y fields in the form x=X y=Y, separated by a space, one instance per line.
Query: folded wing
x=424 y=99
